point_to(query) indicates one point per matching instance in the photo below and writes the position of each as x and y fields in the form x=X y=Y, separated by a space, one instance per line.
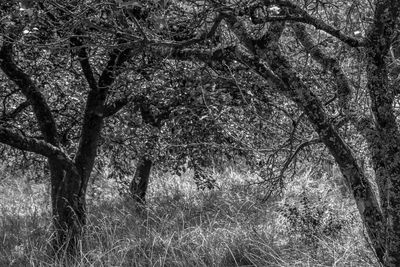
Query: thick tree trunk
x=69 y=209
x=140 y=181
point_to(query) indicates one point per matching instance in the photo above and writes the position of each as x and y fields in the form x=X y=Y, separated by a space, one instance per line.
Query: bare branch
x=294 y=154
x=8 y=116
x=302 y=16
x=83 y=58
x=201 y=38
x=43 y=148
x=132 y=17
x=33 y=95
x=117 y=105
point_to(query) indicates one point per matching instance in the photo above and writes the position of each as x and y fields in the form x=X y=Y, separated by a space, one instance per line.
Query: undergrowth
x=313 y=224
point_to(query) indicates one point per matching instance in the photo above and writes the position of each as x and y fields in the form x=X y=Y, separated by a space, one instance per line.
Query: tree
x=19 y=48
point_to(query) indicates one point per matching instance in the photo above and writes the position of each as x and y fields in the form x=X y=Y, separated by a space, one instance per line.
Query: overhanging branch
x=28 y=88
x=297 y=151
x=34 y=145
x=301 y=15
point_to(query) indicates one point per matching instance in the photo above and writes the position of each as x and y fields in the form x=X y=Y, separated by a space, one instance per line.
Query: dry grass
x=184 y=227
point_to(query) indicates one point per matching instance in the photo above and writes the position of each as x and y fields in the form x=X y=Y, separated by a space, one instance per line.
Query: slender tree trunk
x=140 y=181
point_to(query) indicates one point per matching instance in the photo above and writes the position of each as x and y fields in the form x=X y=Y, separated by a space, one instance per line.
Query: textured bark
x=69 y=209
x=140 y=181
x=385 y=150
x=386 y=144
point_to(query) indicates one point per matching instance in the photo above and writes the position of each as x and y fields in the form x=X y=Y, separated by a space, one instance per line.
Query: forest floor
x=313 y=224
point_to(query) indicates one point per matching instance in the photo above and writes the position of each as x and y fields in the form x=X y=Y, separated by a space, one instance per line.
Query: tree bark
x=386 y=144
x=140 y=181
x=69 y=210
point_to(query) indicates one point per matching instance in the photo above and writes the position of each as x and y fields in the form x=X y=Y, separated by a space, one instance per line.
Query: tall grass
x=181 y=226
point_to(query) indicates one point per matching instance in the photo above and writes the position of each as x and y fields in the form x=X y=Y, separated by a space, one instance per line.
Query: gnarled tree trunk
x=69 y=211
